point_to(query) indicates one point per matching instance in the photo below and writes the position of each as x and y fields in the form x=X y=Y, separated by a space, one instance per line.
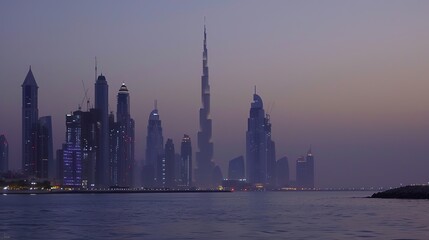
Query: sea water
x=237 y=215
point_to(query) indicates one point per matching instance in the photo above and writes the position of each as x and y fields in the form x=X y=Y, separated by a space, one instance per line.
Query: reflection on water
x=246 y=215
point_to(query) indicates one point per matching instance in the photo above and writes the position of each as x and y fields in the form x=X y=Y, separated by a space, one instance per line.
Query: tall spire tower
x=30 y=116
x=126 y=138
x=204 y=155
x=101 y=104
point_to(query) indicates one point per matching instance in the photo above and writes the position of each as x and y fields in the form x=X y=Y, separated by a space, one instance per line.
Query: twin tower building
x=98 y=150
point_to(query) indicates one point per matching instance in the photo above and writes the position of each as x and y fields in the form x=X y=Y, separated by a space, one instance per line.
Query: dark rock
x=407 y=192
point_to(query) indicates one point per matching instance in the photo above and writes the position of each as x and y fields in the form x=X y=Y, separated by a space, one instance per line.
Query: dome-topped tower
x=123 y=88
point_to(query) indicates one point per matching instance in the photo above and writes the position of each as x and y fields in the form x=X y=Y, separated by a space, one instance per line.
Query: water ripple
x=251 y=215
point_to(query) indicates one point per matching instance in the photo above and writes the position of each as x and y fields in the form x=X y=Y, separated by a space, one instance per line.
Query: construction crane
x=85 y=97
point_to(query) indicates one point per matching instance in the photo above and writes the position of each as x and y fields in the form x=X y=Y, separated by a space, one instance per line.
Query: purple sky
x=349 y=77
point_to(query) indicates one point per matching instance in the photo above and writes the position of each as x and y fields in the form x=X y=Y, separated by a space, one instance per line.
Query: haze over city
x=348 y=78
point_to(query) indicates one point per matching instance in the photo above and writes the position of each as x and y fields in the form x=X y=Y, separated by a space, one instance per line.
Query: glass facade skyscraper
x=260 y=149
x=125 y=130
x=72 y=152
x=45 y=166
x=30 y=116
x=167 y=165
x=101 y=104
x=186 y=162
x=154 y=149
x=305 y=171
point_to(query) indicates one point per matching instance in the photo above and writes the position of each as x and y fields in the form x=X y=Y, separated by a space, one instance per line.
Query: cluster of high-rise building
x=163 y=167
x=98 y=149
x=261 y=168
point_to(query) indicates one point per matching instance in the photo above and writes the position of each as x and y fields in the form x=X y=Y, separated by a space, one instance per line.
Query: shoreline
x=29 y=192
x=130 y=191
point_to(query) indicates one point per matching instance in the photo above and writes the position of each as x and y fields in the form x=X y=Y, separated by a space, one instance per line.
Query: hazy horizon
x=349 y=78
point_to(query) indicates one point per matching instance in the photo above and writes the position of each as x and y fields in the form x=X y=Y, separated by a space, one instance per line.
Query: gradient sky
x=348 y=77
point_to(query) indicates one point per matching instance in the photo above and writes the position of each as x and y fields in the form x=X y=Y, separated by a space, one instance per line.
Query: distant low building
x=236 y=185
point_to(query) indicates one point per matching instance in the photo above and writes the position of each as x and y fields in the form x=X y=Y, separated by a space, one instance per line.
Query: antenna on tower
x=155 y=104
x=255 y=89
x=271 y=108
x=95 y=68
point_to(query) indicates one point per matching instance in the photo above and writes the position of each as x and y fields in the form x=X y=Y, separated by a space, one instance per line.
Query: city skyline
x=354 y=113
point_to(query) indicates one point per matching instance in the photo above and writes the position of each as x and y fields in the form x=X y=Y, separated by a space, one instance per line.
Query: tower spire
x=204 y=27
x=96 y=68
x=205 y=165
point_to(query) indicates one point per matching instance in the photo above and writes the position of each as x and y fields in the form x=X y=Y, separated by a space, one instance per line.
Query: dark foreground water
x=246 y=215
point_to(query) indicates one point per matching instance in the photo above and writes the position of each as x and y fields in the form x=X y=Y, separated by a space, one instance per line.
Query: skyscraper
x=133 y=162
x=90 y=142
x=310 y=162
x=72 y=152
x=166 y=173
x=205 y=165
x=271 y=153
x=305 y=171
x=4 y=154
x=236 y=169
x=154 y=148
x=282 y=172
x=45 y=166
x=113 y=149
x=260 y=149
x=186 y=161
x=81 y=150
x=60 y=165
x=177 y=169
x=30 y=116
x=102 y=105
x=126 y=138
